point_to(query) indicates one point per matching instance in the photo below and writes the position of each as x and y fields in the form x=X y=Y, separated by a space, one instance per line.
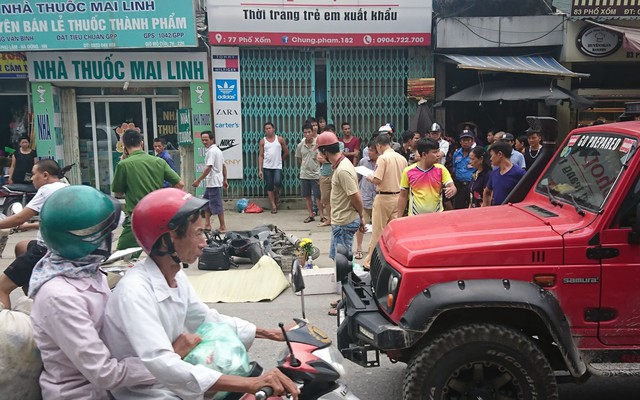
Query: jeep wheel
x=480 y=361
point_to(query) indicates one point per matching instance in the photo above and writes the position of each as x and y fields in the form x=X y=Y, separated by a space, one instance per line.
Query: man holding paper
x=367 y=192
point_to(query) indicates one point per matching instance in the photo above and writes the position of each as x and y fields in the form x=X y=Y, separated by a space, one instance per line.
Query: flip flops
x=274 y=211
x=309 y=219
x=358 y=255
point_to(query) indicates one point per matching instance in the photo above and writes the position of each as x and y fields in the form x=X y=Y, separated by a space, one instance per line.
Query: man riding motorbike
x=70 y=294
x=46 y=178
x=154 y=303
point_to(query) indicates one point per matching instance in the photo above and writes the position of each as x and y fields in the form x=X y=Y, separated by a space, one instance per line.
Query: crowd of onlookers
x=401 y=174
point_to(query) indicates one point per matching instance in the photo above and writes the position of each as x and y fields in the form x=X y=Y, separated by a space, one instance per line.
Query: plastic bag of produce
x=220 y=350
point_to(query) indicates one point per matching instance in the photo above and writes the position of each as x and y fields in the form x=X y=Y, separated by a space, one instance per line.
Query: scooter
x=13 y=198
x=309 y=359
x=19 y=193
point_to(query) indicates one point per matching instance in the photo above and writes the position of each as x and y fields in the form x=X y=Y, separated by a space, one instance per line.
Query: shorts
x=343 y=234
x=325 y=190
x=366 y=214
x=214 y=195
x=310 y=187
x=272 y=178
x=19 y=271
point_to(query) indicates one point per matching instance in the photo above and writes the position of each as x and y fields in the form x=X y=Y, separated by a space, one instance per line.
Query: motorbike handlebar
x=264 y=393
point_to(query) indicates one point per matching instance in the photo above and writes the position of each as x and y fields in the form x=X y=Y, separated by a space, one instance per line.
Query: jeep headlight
x=388 y=297
x=393 y=284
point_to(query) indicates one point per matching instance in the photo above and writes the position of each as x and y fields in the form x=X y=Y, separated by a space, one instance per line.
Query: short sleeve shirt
x=310 y=167
x=215 y=159
x=444 y=147
x=344 y=183
x=352 y=146
x=501 y=185
x=367 y=189
x=477 y=188
x=41 y=195
x=140 y=174
x=389 y=167
x=518 y=159
x=464 y=173
x=425 y=187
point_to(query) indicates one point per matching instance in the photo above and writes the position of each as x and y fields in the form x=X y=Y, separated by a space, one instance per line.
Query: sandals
x=274 y=211
x=334 y=304
x=333 y=312
x=324 y=222
x=309 y=219
x=323 y=219
x=358 y=255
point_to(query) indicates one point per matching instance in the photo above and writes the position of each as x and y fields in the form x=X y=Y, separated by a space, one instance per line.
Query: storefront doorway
x=101 y=122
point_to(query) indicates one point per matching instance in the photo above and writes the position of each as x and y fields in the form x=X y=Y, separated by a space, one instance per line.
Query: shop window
x=606 y=111
x=173 y=91
x=14 y=86
x=88 y=91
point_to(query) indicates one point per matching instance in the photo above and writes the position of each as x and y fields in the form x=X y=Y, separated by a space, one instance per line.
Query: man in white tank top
x=273 y=149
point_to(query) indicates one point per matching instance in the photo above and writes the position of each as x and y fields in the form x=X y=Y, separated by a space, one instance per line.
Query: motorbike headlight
x=332 y=356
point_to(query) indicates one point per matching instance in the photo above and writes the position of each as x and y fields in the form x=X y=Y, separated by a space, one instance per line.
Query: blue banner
x=96 y=24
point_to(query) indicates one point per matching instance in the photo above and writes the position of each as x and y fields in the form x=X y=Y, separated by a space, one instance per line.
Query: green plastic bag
x=221 y=350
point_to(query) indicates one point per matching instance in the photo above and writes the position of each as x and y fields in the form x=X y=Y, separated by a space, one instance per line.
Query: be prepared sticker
x=600 y=142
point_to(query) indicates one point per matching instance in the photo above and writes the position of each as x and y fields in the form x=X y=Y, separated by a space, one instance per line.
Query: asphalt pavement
x=384 y=382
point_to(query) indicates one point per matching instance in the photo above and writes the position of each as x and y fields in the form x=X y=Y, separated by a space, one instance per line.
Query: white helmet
x=435 y=127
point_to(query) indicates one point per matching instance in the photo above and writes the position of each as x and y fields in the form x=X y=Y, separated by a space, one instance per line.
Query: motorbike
x=309 y=359
x=19 y=193
x=13 y=198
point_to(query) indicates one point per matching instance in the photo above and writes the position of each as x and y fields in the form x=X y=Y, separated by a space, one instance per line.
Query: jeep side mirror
x=634 y=235
x=343 y=267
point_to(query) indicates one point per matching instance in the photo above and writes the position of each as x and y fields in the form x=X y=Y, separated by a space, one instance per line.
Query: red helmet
x=326 y=138
x=161 y=211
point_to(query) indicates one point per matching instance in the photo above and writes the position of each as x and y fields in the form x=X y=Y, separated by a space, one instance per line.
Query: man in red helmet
x=346 y=202
x=154 y=303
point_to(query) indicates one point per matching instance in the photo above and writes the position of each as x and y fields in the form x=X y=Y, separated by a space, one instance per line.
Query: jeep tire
x=479 y=361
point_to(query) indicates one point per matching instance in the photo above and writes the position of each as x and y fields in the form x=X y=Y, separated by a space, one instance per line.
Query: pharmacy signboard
x=96 y=24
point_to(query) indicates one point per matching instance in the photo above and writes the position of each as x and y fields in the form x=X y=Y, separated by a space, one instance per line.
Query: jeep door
x=620 y=302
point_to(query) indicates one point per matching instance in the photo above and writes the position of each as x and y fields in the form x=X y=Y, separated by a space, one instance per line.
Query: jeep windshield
x=586 y=170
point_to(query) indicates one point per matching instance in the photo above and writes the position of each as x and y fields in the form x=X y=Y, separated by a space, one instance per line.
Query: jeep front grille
x=376 y=266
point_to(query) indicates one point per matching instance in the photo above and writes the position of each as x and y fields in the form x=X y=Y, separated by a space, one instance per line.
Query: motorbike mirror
x=297 y=281
x=341 y=249
x=16 y=208
x=343 y=267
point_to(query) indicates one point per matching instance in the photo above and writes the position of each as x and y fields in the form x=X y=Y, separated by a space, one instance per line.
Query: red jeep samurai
x=504 y=302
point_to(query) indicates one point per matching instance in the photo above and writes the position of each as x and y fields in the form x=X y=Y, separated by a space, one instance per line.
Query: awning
x=538 y=65
x=630 y=36
x=510 y=90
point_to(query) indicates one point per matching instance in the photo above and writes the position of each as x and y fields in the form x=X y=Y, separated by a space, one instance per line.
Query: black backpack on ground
x=215 y=257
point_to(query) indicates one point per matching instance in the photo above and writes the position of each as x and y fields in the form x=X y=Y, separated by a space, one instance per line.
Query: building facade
x=343 y=63
x=99 y=68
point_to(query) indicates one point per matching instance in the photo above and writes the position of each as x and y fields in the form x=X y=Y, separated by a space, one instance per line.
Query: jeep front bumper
x=364 y=329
